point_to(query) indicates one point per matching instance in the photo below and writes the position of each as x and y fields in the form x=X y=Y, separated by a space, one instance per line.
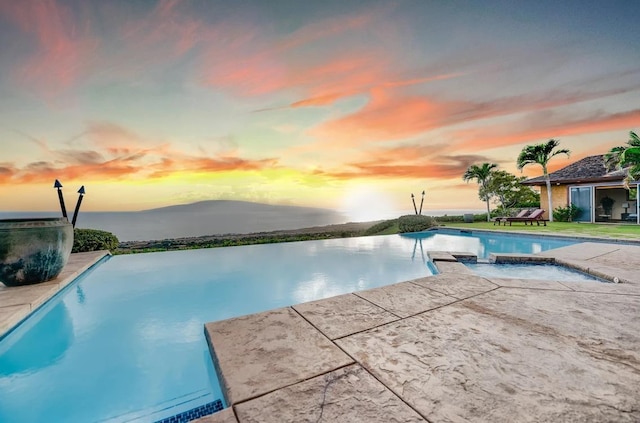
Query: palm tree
x=482 y=175
x=541 y=154
x=626 y=156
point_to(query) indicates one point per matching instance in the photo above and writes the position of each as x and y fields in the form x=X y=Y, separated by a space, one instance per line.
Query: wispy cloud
x=407 y=161
x=65 y=49
x=109 y=152
x=545 y=126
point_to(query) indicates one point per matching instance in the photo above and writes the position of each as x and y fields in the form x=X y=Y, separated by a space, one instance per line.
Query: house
x=587 y=184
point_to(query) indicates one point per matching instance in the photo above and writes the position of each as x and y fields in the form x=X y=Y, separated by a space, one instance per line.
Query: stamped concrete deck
x=16 y=303
x=447 y=348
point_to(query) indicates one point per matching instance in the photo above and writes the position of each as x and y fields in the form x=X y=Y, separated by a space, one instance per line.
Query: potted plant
x=607 y=204
x=33 y=250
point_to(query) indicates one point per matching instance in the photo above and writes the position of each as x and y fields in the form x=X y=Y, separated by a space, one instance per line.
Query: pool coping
x=387 y=350
x=18 y=303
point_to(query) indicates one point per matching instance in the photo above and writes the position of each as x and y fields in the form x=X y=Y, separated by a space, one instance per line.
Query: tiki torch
x=414 y=203
x=421 y=202
x=58 y=185
x=75 y=213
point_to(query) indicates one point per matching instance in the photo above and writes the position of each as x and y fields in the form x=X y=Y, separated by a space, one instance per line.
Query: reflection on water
x=484 y=243
x=43 y=345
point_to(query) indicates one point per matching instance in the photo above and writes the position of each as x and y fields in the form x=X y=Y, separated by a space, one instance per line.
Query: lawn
x=598 y=230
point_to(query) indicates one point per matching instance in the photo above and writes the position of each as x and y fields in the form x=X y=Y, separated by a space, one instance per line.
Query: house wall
x=559 y=198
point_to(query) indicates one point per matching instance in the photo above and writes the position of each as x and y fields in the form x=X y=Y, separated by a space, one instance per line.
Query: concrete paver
x=262 y=352
x=457 y=285
x=406 y=299
x=344 y=315
x=497 y=350
x=222 y=416
x=511 y=355
x=11 y=315
x=531 y=283
x=347 y=395
x=452 y=267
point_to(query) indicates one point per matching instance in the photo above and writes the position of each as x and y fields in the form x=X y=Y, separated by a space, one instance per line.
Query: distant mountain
x=217 y=206
x=206 y=218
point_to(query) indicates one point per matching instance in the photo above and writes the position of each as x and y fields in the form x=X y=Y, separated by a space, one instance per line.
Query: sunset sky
x=334 y=104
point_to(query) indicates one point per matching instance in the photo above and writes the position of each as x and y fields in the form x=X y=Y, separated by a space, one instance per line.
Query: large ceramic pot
x=33 y=250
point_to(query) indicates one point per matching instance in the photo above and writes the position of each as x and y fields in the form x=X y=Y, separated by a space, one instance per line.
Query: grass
x=596 y=230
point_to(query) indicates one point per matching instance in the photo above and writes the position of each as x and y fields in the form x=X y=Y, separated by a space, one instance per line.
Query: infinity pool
x=125 y=342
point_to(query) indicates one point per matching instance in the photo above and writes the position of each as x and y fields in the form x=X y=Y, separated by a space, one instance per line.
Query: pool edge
x=36 y=296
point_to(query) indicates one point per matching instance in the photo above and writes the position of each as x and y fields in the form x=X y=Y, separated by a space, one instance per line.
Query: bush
x=566 y=214
x=450 y=219
x=415 y=223
x=93 y=240
x=379 y=227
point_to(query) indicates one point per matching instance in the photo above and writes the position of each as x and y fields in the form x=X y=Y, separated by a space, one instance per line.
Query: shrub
x=449 y=219
x=415 y=223
x=566 y=214
x=93 y=240
x=379 y=227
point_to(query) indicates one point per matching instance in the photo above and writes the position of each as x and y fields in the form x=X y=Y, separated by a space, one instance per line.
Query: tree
x=626 y=156
x=541 y=154
x=506 y=190
x=482 y=175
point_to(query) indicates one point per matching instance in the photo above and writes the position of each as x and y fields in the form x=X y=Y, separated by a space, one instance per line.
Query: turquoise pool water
x=126 y=342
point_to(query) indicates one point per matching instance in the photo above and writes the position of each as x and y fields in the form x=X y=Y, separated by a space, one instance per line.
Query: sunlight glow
x=364 y=203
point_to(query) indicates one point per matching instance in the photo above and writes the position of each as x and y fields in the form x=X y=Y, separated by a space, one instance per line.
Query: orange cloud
x=408 y=161
x=122 y=154
x=384 y=118
x=66 y=49
x=545 y=127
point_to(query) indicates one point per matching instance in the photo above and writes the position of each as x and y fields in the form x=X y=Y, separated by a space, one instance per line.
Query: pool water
x=126 y=341
x=530 y=271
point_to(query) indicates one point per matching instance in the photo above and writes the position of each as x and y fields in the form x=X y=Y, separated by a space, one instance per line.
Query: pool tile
x=512 y=355
x=224 y=416
x=456 y=285
x=343 y=315
x=259 y=353
x=349 y=395
x=406 y=298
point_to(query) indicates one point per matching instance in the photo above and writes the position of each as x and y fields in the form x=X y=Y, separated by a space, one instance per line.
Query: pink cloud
x=65 y=49
x=544 y=128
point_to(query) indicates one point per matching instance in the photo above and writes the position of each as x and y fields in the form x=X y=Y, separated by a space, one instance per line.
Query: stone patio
x=446 y=348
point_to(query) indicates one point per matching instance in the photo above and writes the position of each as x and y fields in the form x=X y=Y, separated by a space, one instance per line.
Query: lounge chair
x=503 y=219
x=535 y=216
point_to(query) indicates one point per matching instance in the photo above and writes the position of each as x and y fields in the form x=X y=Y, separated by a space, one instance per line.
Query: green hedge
x=93 y=240
x=415 y=223
x=379 y=227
